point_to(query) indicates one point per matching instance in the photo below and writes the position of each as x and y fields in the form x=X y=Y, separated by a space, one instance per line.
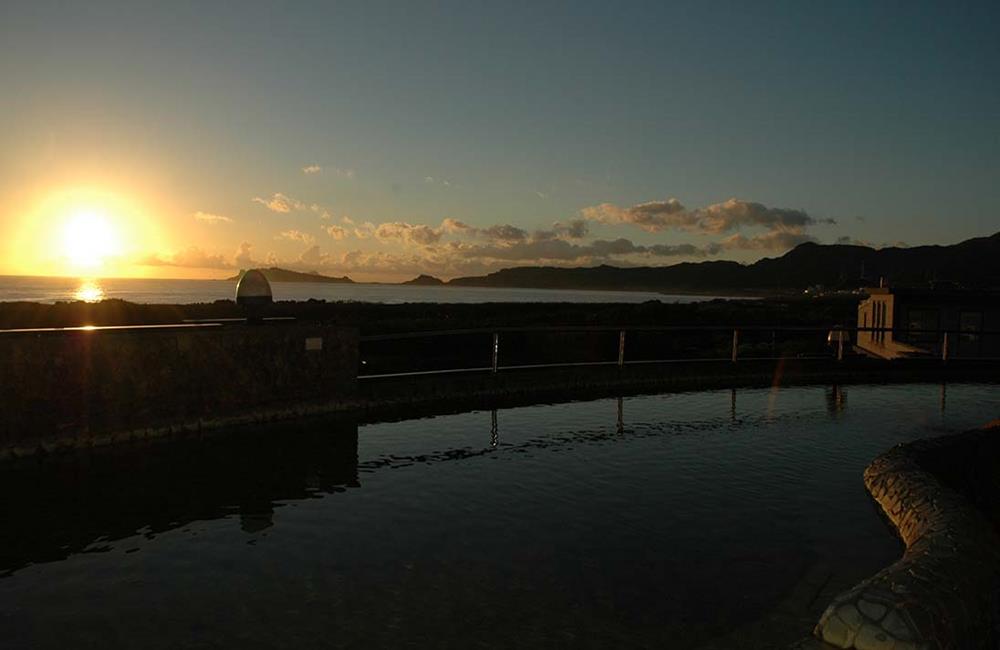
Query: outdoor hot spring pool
x=694 y=520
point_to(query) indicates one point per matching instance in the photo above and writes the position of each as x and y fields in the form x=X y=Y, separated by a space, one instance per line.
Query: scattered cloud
x=342 y=172
x=284 y=204
x=321 y=211
x=657 y=216
x=244 y=256
x=654 y=216
x=296 y=235
x=851 y=241
x=455 y=247
x=408 y=233
x=210 y=218
x=191 y=256
x=280 y=203
x=575 y=229
x=776 y=240
x=337 y=232
x=504 y=233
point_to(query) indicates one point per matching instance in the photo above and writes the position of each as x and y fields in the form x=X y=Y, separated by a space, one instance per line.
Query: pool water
x=685 y=520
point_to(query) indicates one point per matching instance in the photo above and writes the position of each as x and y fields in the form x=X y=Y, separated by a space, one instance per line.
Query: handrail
x=103 y=328
x=621 y=362
x=665 y=328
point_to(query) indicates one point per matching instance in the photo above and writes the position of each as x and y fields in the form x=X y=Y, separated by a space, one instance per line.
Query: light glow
x=89 y=291
x=88 y=239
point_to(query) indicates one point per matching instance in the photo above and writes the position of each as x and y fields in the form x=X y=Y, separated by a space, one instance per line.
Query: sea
x=155 y=291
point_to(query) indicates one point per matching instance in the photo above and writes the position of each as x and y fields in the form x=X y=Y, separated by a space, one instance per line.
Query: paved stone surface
x=945 y=591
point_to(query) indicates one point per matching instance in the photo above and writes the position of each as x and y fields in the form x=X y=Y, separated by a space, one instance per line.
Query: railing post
x=496 y=350
x=494 y=432
x=621 y=348
x=944 y=347
x=736 y=343
x=840 y=345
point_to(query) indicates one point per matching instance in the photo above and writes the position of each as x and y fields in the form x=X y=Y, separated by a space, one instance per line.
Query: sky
x=385 y=139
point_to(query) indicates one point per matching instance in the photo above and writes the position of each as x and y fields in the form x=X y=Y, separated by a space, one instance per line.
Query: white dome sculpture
x=253 y=290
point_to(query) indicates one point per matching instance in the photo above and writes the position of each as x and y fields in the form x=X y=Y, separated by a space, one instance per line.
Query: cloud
x=280 y=203
x=337 y=232
x=778 y=240
x=851 y=241
x=455 y=247
x=651 y=217
x=284 y=204
x=408 y=233
x=549 y=250
x=456 y=226
x=210 y=218
x=296 y=235
x=191 y=256
x=734 y=214
x=244 y=256
x=504 y=233
x=321 y=211
x=364 y=230
x=342 y=172
x=312 y=256
x=575 y=229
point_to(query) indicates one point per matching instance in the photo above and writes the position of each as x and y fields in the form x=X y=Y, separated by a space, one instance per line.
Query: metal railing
x=748 y=342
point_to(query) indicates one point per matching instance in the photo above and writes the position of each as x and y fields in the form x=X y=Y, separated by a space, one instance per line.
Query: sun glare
x=88 y=239
x=89 y=291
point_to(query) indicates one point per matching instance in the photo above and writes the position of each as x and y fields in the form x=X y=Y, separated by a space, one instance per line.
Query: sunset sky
x=383 y=140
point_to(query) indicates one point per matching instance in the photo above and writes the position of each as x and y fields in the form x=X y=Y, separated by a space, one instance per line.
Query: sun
x=88 y=239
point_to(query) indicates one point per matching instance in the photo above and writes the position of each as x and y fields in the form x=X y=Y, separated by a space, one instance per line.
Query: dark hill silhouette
x=274 y=274
x=425 y=280
x=971 y=263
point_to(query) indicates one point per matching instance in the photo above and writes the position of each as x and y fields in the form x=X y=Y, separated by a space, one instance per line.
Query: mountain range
x=971 y=263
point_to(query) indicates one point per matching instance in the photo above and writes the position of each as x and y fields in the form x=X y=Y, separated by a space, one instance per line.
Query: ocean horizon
x=49 y=290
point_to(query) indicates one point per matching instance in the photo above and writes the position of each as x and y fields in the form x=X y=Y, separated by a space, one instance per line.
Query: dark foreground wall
x=81 y=388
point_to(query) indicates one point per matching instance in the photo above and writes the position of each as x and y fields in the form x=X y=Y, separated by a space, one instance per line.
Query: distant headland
x=274 y=274
x=425 y=281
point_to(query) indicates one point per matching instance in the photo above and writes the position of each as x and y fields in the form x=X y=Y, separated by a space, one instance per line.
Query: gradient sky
x=386 y=139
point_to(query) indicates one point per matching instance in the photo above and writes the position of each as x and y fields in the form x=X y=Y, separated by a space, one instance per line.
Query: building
x=943 y=323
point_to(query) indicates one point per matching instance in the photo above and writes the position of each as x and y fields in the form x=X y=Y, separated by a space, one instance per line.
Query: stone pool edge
x=943 y=592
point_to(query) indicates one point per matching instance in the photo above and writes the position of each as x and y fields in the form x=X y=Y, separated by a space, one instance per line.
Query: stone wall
x=945 y=591
x=82 y=388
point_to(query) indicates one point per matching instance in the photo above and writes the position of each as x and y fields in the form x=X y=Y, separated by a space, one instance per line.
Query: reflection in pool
x=682 y=520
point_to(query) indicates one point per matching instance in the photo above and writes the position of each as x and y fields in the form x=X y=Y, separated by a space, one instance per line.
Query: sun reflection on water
x=89 y=291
